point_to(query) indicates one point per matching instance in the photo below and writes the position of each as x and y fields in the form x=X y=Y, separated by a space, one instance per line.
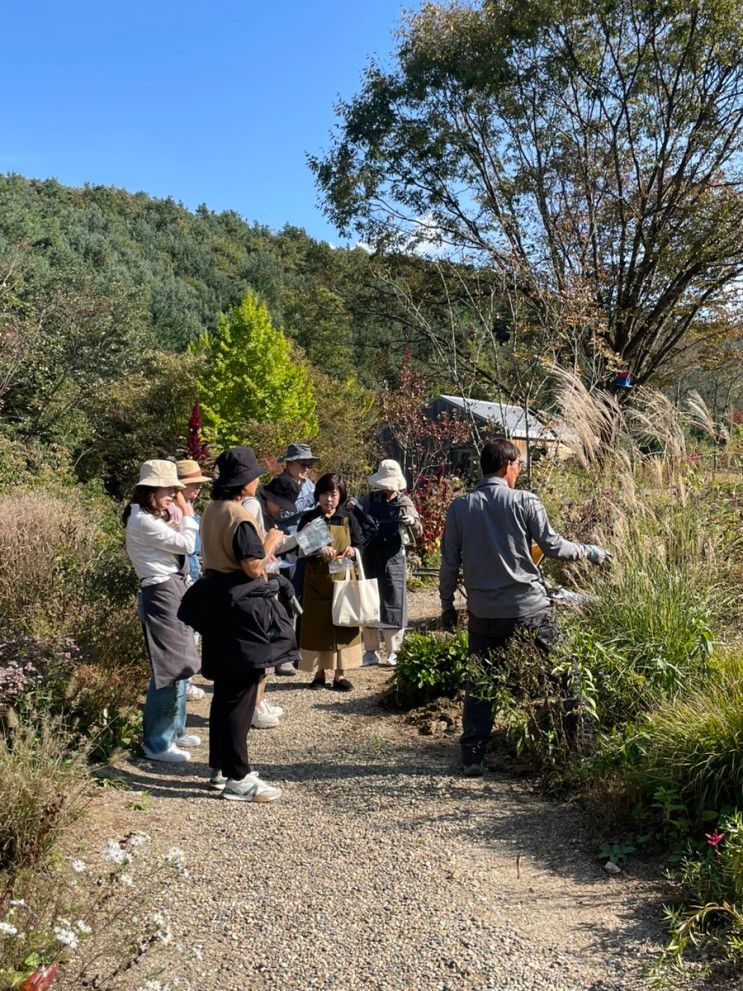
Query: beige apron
x=323 y=645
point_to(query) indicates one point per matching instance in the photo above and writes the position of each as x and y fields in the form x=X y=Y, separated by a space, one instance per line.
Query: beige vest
x=218 y=525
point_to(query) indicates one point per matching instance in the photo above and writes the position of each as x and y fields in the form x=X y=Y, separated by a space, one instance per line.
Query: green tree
x=251 y=374
x=588 y=153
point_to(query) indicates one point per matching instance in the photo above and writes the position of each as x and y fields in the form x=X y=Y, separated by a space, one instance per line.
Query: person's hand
x=351 y=504
x=598 y=555
x=449 y=619
x=180 y=500
x=327 y=553
x=349 y=552
x=273 y=539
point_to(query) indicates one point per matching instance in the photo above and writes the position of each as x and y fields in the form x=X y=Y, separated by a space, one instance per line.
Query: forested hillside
x=173 y=271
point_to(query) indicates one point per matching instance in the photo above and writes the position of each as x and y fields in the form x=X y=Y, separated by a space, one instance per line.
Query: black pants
x=486 y=635
x=230 y=716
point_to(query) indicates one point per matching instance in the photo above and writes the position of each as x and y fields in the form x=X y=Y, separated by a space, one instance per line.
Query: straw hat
x=388 y=476
x=159 y=475
x=190 y=473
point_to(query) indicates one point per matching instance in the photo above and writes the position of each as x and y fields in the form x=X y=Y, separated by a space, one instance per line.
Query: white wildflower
x=114 y=853
x=79 y=866
x=140 y=839
x=18 y=902
x=7 y=929
x=163 y=933
x=126 y=879
x=176 y=856
x=83 y=927
x=67 y=936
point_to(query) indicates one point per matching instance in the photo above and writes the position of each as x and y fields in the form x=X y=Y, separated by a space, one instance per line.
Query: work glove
x=407 y=520
x=597 y=555
x=449 y=619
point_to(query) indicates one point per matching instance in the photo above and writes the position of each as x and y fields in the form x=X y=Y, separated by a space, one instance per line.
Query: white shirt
x=154 y=546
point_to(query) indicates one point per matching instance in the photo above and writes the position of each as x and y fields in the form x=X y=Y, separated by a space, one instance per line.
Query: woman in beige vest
x=234 y=559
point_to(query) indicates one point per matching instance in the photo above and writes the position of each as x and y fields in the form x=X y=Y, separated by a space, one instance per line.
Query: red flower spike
x=715 y=839
x=41 y=979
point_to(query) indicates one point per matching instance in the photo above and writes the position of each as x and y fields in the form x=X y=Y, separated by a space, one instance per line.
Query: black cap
x=284 y=491
x=237 y=466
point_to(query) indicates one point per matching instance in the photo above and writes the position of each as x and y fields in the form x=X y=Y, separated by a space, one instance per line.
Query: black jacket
x=242 y=623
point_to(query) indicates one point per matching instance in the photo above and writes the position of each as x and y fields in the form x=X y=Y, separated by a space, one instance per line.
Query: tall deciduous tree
x=250 y=373
x=585 y=150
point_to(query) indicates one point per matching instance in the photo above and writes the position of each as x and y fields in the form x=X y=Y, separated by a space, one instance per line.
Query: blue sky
x=212 y=103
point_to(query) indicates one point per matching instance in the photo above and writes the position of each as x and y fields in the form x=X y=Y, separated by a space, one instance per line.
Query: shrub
x=42 y=791
x=429 y=665
x=690 y=745
x=433 y=496
x=710 y=892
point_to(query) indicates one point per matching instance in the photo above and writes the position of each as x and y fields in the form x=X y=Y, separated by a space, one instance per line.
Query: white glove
x=407 y=520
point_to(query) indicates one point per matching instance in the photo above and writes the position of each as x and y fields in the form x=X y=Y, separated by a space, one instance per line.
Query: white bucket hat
x=160 y=475
x=388 y=476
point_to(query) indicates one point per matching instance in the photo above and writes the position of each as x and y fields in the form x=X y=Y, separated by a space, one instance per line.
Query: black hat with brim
x=237 y=466
x=282 y=490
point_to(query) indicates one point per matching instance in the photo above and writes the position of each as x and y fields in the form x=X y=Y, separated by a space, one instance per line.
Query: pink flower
x=715 y=839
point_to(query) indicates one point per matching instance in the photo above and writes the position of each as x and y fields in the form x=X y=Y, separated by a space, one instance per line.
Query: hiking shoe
x=249 y=789
x=217 y=780
x=170 y=756
x=193 y=692
x=370 y=659
x=263 y=718
x=392 y=659
x=285 y=670
x=473 y=770
x=187 y=741
x=341 y=685
x=276 y=710
x=318 y=682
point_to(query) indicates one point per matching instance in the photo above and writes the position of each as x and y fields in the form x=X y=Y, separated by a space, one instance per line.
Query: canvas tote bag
x=356 y=601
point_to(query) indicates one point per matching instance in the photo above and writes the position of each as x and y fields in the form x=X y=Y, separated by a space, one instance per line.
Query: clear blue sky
x=208 y=102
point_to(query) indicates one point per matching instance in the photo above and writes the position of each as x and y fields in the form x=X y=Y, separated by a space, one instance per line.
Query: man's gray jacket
x=488 y=534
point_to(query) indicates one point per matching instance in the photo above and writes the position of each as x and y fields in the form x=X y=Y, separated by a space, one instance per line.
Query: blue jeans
x=164 y=716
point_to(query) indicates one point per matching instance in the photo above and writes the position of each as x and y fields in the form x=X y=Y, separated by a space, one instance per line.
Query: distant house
x=494 y=418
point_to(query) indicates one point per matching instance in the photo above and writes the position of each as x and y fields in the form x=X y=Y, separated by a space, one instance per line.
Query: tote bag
x=356 y=601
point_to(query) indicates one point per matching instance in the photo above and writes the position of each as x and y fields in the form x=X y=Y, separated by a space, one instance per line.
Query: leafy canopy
x=250 y=373
x=585 y=151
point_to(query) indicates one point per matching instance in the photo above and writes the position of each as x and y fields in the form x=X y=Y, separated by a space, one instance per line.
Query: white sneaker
x=275 y=710
x=188 y=740
x=263 y=718
x=193 y=692
x=217 y=780
x=170 y=756
x=370 y=658
x=392 y=660
x=250 y=789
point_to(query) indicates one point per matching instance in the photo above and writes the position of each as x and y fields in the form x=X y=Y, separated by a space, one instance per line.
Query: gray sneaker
x=250 y=789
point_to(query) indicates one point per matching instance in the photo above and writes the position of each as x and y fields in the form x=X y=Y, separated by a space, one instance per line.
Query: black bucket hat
x=282 y=490
x=237 y=466
x=297 y=452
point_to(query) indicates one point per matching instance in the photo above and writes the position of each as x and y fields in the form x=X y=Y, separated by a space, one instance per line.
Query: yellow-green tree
x=250 y=373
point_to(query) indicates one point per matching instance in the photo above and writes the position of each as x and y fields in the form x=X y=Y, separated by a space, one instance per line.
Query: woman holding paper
x=324 y=646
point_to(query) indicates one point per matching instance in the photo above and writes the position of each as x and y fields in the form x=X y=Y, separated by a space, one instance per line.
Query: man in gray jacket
x=488 y=534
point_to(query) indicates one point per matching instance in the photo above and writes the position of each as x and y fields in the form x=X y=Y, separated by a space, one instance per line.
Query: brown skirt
x=341 y=659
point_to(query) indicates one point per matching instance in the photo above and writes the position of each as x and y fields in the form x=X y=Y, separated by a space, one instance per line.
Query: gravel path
x=380 y=867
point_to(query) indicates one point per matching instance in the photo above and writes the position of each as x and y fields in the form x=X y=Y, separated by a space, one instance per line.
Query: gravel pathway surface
x=381 y=867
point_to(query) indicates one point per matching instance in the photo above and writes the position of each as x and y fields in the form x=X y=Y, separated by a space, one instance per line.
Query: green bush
x=690 y=746
x=429 y=665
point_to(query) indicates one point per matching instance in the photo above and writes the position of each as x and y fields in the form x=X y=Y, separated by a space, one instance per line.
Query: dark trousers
x=486 y=635
x=230 y=716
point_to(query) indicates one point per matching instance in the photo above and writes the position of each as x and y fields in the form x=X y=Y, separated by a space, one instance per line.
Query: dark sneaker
x=342 y=685
x=473 y=770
